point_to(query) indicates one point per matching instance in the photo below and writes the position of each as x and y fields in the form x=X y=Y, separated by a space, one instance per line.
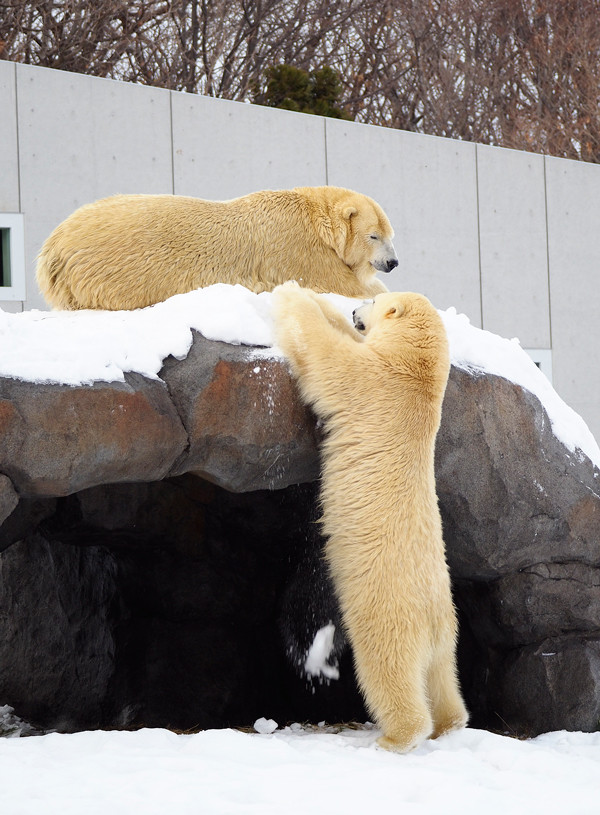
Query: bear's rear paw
x=456 y=721
x=405 y=739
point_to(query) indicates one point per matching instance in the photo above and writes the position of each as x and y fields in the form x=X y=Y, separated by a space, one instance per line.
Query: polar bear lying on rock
x=380 y=398
x=130 y=251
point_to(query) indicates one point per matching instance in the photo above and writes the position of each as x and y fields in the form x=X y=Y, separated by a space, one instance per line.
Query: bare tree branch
x=519 y=73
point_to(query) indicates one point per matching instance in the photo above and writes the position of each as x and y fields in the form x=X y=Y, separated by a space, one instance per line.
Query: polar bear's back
x=129 y=251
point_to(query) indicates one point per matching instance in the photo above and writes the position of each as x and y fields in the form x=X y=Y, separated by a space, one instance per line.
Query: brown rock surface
x=247 y=429
x=57 y=439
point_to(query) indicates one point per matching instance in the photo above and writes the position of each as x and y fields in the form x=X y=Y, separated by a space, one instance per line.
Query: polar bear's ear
x=348 y=212
x=395 y=311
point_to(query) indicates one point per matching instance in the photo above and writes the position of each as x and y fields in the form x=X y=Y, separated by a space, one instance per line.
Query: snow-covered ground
x=84 y=346
x=294 y=769
x=297 y=771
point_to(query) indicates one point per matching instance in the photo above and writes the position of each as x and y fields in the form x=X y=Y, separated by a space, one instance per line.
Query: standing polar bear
x=130 y=251
x=380 y=397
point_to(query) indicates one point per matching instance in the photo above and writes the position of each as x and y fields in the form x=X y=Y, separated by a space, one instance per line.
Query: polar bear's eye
x=374 y=237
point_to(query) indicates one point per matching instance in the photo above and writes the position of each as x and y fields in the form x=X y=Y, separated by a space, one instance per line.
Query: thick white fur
x=130 y=251
x=380 y=397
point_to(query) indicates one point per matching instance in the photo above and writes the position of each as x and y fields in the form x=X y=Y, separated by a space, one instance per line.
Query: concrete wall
x=510 y=238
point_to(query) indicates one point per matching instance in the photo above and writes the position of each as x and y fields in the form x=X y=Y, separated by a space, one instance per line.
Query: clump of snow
x=265 y=726
x=81 y=347
x=317 y=662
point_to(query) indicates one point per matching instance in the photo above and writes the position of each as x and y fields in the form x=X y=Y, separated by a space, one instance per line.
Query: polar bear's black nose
x=391 y=264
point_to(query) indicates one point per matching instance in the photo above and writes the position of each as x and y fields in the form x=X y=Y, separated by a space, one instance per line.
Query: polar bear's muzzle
x=384 y=259
x=360 y=315
x=385 y=265
x=358 y=323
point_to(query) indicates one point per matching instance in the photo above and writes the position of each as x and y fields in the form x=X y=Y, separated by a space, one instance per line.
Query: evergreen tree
x=291 y=88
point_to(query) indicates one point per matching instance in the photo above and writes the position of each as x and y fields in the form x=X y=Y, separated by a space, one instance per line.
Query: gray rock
x=552 y=685
x=511 y=494
x=28 y=514
x=222 y=413
x=522 y=528
x=545 y=601
x=8 y=498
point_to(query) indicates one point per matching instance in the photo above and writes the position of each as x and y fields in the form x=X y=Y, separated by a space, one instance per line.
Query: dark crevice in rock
x=182 y=456
x=26 y=516
x=162 y=604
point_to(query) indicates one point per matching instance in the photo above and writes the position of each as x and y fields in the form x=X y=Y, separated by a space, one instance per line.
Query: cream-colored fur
x=131 y=251
x=380 y=397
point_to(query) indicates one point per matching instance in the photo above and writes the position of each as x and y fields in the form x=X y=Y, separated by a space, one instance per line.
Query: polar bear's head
x=405 y=327
x=387 y=308
x=357 y=229
x=364 y=234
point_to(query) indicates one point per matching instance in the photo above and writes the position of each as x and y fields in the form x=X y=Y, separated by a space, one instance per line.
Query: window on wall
x=12 y=257
x=543 y=359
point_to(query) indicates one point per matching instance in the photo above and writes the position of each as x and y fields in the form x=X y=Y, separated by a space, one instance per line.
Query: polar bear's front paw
x=288 y=292
x=287 y=286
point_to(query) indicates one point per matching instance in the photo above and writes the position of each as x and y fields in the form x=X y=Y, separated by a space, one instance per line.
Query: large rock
x=134 y=591
x=512 y=494
x=522 y=526
x=223 y=413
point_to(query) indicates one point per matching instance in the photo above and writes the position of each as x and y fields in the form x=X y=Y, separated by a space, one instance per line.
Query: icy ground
x=81 y=347
x=297 y=771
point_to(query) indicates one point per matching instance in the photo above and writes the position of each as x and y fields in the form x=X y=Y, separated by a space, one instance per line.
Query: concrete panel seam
x=172 y=143
x=479 y=233
x=325 y=147
x=16 y=80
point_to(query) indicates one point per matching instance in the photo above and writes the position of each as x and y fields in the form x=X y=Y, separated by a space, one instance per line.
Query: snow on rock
x=86 y=346
x=80 y=347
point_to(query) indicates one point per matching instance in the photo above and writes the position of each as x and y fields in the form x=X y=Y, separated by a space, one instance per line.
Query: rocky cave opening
x=167 y=604
x=178 y=604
